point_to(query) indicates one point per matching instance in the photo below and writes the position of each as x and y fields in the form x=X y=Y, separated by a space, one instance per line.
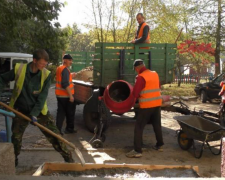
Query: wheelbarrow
x=196 y=128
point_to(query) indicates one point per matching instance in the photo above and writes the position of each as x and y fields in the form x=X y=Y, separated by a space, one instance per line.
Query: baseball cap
x=138 y=62
x=67 y=56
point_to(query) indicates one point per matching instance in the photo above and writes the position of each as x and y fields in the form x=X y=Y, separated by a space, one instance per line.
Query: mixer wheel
x=97 y=143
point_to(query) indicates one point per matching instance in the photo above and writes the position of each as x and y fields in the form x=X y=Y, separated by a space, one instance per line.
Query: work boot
x=61 y=133
x=16 y=162
x=69 y=158
x=134 y=154
x=158 y=148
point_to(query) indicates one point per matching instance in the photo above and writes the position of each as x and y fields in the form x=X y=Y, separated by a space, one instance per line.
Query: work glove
x=33 y=119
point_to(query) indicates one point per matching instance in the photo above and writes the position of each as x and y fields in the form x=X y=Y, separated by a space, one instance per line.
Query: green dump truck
x=114 y=61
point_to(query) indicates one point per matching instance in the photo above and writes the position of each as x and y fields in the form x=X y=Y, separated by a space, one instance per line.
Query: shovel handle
x=47 y=130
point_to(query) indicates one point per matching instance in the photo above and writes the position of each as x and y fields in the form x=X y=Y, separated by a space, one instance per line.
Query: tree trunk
x=96 y=22
x=100 y=19
x=218 y=40
x=199 y=74
x=113 y=17
x=131 y=16
x=179 y=78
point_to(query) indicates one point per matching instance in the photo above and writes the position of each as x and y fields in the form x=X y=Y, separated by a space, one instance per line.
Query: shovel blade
x=79 y=154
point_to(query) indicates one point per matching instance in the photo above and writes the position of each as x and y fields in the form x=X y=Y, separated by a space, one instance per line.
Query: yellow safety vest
x=20 y=71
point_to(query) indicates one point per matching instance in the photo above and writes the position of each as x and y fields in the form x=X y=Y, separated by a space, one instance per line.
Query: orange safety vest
x=59 y=91
x=140 y=34
x=150 y=96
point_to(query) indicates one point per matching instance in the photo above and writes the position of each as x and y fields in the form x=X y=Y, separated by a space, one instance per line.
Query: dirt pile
x=85 y=74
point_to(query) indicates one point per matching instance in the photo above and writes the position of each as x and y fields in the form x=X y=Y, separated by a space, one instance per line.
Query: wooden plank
x=88 y=166
x=74 y=53
x=78 y=62
x=110 y=56
x=153 y=51
x=98 y=50
x=171 y=56
x=78 y=66
x=172 y=51
x=124 y=45
x=114 y=44
x=109 y=51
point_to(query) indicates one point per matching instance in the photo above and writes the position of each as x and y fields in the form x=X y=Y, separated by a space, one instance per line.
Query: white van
x=9 y=59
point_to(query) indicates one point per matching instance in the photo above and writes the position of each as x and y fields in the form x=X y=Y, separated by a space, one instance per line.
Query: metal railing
x=8 y=123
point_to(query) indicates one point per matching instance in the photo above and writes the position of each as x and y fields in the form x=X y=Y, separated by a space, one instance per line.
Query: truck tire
x=203 y=97
x=92 y=119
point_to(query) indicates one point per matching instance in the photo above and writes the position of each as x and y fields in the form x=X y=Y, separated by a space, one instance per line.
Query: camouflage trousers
x=19 y=125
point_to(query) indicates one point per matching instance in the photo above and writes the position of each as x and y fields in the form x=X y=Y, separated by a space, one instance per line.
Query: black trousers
x=65 y=109
x=147 y=115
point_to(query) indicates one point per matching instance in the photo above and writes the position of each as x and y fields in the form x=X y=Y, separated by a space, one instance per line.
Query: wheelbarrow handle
x=221 y=129
x=7 y=113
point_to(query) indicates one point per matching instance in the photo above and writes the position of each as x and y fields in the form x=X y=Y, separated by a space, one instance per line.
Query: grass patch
x=174 y=90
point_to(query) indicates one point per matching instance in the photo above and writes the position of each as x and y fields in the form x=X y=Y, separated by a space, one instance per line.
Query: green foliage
x=52 y=68
x=27 y=25
x=78 y=41
x=164 y=22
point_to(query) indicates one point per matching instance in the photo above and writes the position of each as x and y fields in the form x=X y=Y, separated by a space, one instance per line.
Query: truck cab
x=9 y=59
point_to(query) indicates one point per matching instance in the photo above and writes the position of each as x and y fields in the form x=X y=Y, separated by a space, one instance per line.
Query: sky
x=76 y=11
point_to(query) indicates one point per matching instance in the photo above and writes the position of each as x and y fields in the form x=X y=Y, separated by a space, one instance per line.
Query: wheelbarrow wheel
x=184 y=142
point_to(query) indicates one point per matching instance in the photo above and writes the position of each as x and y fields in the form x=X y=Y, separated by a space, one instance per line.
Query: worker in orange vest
x=147 y=91
x=222 y=94
x=65 y=96
x=142 y=34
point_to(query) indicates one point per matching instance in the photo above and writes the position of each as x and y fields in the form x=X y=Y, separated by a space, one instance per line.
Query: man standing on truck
x=65 y=96
x=147 y=91
x=142 y=34
x=32 y=82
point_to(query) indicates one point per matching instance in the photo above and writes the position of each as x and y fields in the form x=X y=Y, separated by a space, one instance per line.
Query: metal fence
x=192 y=78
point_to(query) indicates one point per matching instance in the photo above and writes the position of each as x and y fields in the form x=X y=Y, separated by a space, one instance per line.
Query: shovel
x=77 y=151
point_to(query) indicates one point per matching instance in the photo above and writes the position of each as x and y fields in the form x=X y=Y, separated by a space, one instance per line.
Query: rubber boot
x=16 y=162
